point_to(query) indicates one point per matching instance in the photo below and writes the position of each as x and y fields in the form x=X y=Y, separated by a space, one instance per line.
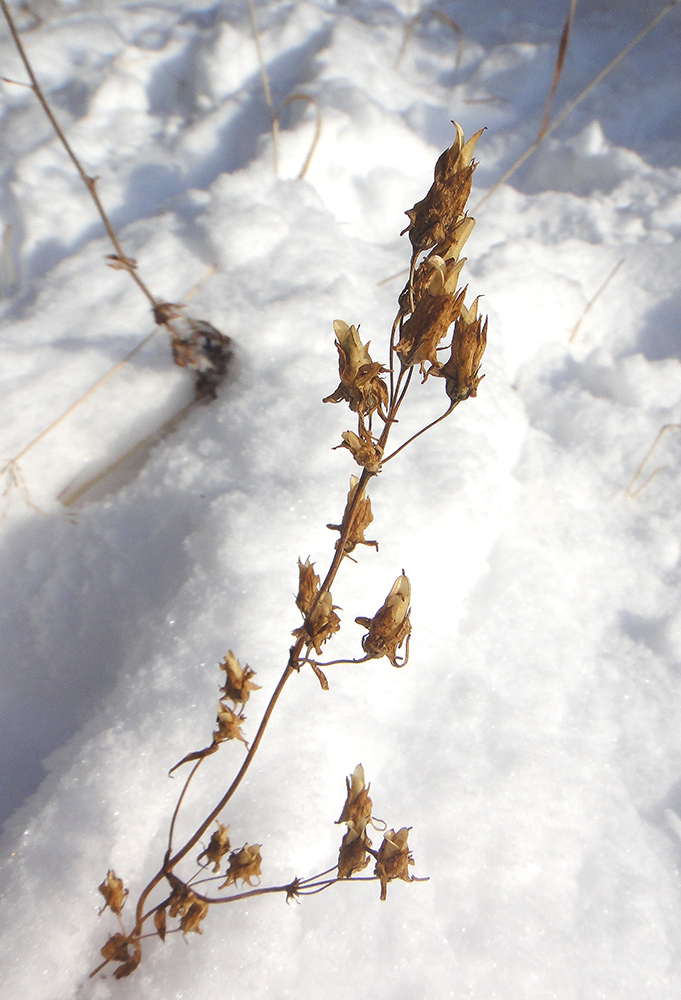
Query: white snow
x=533 y=742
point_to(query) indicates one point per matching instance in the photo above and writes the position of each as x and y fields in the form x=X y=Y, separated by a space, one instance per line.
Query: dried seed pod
x=357 y=517
x=229 y=725
x=433 y=220
x=468 y=346
x=308 y=586
x=356 y=815
x=427 y=327
x=219 y=846
x=364 y=449
x=320 y=623
x=244 y=865
x=390 y=626
x=113 y=892
x=357 y=809
x=238 y=684
x=352 y=856
x=185 y=904
x=393 y=858
x=360 y=384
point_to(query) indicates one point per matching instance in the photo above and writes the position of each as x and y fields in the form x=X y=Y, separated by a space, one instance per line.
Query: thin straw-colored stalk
x=89 y=182
x=560 y=59
x=630 y=491
x=317 y=132
x=590 y=304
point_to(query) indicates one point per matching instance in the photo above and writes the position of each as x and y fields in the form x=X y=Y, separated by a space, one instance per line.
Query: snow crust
x=533 y=741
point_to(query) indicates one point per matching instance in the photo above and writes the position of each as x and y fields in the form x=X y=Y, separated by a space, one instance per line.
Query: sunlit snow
x=533 y=742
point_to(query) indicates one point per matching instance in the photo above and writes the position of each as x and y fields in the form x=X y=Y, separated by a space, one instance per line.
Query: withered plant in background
x=431 y=309
x=195 y=344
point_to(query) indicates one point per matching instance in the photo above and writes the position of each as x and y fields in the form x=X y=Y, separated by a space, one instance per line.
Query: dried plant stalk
x=430 y=310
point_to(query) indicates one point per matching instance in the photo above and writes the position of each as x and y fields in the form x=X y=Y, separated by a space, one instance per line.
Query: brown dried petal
x=238 y=685
x=113 y=892
x=244 y=865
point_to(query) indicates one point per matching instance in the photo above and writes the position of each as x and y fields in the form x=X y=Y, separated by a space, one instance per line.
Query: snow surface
x=533 y=742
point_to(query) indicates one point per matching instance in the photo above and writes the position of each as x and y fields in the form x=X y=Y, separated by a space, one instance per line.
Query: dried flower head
x=357 y=809
x=244 y=865
x=352 y=856
x=238 y=684
x=390 y=626
x=229 y=725
x=426 y=328
x=185 y=904
x=113 y=892
x=468 y=346
x=356 y=815
x=356 y=518
x=364 y=449
x=219 y=846
x=393 y=858
x=360 y=384
x=433 y=220
x=321 y=623
x=118 y=949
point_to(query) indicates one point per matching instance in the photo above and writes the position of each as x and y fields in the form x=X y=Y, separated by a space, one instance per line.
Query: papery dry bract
x=360 y=384
x=390 y=626
x=219 y=846
x=244 y=865
x=113 y=892
x=356 y=518
x=393 y=859
x=433 y=220
x=238 y=685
